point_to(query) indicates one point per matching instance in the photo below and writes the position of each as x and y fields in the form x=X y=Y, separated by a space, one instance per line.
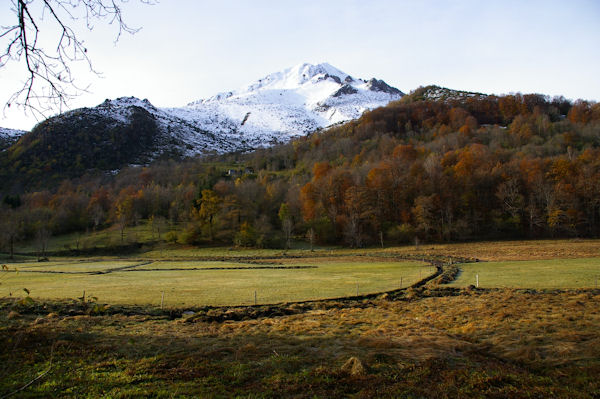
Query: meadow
x=531 y=328
x=537 y=274
x=201 y=283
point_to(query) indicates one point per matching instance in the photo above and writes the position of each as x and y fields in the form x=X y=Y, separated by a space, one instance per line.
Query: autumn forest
x=463 y=166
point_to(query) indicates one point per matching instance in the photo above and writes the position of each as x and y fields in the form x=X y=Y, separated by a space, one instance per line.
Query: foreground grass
x=183 y=285
x=538 y=274
x=478 y=344
x=426 y=342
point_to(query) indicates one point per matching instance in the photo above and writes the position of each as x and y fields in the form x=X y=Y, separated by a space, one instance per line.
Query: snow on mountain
x=9 y=136
x=282 y=105
x=176 y=134
x=11 y=133
x=286 y=104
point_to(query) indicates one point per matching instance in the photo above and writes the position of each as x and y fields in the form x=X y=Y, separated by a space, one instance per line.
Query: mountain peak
x=316 y=81
x=288 y=103
x=297 y=76
x=128 y=101
x=380 y=85
x=306 y=72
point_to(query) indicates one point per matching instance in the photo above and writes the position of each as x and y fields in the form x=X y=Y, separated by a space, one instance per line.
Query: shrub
x=403 y=233
x=246 y=237
x=171 y=236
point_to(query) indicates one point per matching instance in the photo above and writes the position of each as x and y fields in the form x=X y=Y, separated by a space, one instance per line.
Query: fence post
x=477 y=280
x=255 y=297
x=162 y=300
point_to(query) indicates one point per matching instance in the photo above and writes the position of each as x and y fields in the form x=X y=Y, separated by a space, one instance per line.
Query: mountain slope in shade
x=82 y=141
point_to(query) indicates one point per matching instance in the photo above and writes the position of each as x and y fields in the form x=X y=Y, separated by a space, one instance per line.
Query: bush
x=192 y=234
x=171 y=236
x=246 y=237
x=403 y=233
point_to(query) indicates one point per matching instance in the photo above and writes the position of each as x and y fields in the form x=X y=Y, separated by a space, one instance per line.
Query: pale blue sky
x=192 y=49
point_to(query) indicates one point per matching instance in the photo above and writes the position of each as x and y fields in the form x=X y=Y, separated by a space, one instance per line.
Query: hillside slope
x=82 y=141
x=129 y=131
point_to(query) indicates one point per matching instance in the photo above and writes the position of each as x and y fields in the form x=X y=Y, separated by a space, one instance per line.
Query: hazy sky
x=192 y=49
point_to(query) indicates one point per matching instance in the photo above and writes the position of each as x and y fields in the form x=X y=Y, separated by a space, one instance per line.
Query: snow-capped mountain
x=273 y=109
x=285 y=104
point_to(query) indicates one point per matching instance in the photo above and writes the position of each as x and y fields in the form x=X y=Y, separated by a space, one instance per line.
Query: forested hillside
x=438 y=165
x=77 y=143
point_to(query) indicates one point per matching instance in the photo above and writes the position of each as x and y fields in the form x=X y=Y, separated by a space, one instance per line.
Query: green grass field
x=141 y=233
x=74 y=266
x=332 y=277
x=144 y=234
x=188 y=252
x=538 y=274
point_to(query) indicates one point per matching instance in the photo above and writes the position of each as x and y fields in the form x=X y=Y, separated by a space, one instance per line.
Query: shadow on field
x=501 y=343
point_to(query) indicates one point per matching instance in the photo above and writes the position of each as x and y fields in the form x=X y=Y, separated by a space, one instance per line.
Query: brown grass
x=511 y=250
x=528 y=342
x=452 y=343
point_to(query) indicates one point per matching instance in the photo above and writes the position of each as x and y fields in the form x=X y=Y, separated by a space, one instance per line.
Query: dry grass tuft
x=354 y=367
x=13 y=315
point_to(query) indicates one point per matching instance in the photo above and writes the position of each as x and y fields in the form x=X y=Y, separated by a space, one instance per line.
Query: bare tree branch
x=49 y=83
